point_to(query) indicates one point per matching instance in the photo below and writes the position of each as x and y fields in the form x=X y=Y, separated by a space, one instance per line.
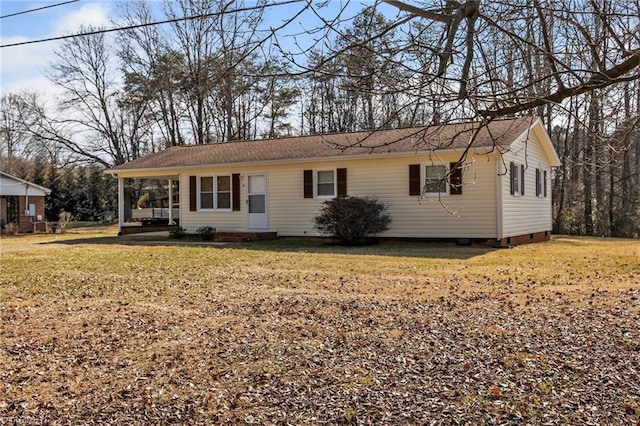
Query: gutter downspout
x=499 y=206
x=171 y=202
x=120 y=204
x=26 y=206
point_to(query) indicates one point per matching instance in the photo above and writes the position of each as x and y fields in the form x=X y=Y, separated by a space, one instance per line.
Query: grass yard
x=96 y=329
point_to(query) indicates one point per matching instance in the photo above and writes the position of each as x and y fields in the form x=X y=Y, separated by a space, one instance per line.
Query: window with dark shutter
x=538 y=182
x=512 y=176
x=414 y=179
x=193 y=195
x=308 y=184
x=342 y=182
x=544 y=182
x=522 y=180
x=235 y=188
x=455 y=178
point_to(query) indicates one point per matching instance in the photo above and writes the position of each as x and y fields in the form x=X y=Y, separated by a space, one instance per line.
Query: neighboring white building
x=21 y=204
x=453 y=181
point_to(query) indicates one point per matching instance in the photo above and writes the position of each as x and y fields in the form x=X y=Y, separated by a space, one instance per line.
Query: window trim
x=423 y=180
x=310 y=183
x=541 y=182
x=215 y=193
x=315 y=184
x=517 y=179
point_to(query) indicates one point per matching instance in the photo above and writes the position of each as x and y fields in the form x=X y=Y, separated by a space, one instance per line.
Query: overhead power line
x=149 y=24
x=38 y=8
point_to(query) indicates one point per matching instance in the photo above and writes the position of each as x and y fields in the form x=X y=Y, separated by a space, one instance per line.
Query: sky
x=22 y=66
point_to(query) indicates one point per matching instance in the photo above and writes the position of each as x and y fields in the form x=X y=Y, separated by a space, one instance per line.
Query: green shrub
x=352 y=219
x=177 y=232
x=206 y=233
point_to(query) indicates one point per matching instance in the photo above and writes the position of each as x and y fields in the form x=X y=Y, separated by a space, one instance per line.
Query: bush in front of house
x=177 y=232
x=351 y=220
x=206 y=233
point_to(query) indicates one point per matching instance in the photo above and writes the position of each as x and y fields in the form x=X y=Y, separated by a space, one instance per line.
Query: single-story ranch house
x=457 y=181
x=21 y=204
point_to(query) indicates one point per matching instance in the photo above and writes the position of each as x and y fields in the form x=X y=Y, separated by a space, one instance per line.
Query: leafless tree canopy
x=481 y=59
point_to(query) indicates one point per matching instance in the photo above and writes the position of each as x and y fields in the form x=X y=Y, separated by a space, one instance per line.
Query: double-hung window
x=517 y=178
x=435 y=179
x=541 y=183
x=325 y=183
x=215 y=192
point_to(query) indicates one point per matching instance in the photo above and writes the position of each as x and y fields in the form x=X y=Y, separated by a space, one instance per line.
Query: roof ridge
x=316 y=135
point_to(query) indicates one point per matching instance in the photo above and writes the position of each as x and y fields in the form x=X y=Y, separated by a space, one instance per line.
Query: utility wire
x=149 y=24
x=38 y=8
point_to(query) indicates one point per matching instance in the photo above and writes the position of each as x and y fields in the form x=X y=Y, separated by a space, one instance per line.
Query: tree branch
x=445 y=18
x=598 y=81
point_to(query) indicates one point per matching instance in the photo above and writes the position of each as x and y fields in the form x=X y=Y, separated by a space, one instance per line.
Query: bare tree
x=154 y=71
x=96 y=121
x=16 y=119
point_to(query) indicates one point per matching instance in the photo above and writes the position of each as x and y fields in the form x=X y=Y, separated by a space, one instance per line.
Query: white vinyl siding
x=529 y=213
x=466 y=215
x=469 y=215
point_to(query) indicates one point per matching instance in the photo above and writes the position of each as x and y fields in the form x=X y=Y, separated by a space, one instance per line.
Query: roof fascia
x=545 y=140
x=26 y=182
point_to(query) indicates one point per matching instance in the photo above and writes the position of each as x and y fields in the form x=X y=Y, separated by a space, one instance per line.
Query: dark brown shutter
x=342 y=182
x=414 y=179
x=235 y=191
x=193 y=196
x=455 y=178
x=308 y=184
x=511 y=175
x=522 y=180
x=538 y=192
x=544 y=181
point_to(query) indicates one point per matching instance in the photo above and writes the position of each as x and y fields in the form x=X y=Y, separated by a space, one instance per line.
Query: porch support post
x=170 y=201
x=120 y=204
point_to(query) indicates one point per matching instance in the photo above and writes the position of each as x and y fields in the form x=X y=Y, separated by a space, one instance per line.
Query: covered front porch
x=147 y=203
x=150 y=203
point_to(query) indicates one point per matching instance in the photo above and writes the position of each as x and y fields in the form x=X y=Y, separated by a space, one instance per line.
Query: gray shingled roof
x=419 y=139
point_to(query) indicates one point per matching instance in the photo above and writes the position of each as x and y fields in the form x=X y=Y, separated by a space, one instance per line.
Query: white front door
x=257 y=201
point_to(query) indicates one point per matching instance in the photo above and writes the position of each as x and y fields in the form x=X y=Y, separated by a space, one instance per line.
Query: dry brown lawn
x=96 y=329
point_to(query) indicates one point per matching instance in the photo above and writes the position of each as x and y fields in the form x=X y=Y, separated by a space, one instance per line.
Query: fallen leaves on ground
x=234 y=336
x=299 y=359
